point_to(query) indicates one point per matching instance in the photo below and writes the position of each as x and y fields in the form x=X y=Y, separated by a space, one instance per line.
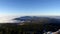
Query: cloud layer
x=7 y=19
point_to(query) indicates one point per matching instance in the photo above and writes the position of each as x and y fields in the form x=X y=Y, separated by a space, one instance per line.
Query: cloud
x=7 y=19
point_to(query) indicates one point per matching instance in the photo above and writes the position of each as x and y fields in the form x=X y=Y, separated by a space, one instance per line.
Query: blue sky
x=29 y=7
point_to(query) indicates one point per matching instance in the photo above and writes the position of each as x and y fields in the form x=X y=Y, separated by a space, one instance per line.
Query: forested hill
x=37 y=19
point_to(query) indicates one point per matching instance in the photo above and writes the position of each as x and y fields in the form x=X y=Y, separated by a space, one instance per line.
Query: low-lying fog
x=9 y=19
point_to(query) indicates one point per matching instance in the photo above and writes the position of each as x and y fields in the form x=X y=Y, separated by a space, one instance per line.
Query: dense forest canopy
x=35 y=24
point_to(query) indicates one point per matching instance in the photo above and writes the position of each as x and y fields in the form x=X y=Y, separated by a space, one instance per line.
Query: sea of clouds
x=8 y=19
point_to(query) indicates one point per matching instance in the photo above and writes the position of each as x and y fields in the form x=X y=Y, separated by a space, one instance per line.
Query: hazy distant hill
x=38 y=19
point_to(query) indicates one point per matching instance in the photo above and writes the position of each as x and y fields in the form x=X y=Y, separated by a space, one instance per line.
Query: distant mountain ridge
x=38 y=19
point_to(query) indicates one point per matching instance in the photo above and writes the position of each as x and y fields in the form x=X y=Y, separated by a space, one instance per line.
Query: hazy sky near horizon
x=29 y=7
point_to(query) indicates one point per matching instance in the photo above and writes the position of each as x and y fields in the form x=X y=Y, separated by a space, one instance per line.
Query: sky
x=29 y=7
